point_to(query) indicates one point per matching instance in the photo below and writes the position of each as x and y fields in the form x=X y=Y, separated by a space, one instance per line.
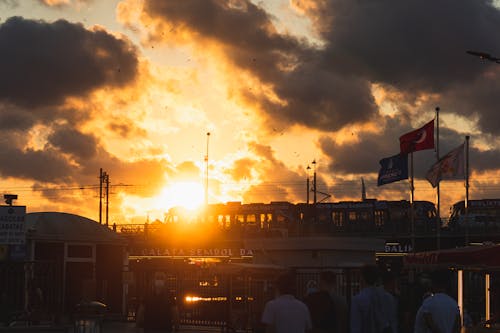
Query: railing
x=306 y=230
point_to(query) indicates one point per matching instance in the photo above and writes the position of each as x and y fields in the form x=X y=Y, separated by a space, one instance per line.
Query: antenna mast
x=206 y=175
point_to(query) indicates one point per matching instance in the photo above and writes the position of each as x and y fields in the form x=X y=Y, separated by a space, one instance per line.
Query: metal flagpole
x=438 y=217
x=412 y=217
x=466 y=204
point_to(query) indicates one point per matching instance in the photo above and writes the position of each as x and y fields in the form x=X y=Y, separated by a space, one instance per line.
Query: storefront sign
x=397 y=248
x=191 y=252
x=12 y=226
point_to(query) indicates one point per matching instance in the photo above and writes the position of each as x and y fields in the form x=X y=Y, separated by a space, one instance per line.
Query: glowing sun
x=189 y=195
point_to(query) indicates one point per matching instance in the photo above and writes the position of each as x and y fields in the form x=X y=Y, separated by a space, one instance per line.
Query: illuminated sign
x=191 y=252
x=484 y=203
x=12 y=226
x=397 y=248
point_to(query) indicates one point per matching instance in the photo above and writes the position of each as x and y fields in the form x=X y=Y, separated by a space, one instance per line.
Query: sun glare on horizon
x=187 y=194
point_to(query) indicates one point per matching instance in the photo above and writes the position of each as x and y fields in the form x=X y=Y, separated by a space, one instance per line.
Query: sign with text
x=397 y=248
x=12 y=225
x=190 y=252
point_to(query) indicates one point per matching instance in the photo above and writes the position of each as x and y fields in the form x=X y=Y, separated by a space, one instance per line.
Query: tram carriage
x=482 y=215
x=283 y=219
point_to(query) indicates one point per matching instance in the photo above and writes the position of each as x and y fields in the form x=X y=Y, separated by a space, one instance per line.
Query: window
x=364 y=216
x=79 y=251
x=251 y=218
x=380 y=218
x=352 y=216
x=338 y=218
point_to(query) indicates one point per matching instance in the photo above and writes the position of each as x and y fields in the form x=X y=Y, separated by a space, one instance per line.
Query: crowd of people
x=377 y=308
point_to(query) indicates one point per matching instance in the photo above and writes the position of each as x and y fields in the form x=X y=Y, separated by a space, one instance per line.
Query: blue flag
x=392 y=169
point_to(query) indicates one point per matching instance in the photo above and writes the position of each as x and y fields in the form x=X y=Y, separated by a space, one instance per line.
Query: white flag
x=450 y=166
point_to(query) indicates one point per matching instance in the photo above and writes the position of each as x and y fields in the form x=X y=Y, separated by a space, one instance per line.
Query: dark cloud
x=412 y=44
x=415 y=51
x=41 y=63
x=478 y=100
x=68 y=140
x=484 y=160
x=414 y=47
x=13 y=118
x=363 y=156
x=417 y=47
x=307 y=94
x=40 y=165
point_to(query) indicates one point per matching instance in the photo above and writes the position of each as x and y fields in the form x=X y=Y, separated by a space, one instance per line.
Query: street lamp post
x=308 y=186
x=314 y=182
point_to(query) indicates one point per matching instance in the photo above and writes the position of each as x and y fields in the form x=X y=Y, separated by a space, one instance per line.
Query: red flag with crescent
x=419 y=139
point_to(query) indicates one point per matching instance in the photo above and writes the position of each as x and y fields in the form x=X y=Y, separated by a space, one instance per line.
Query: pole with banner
x=412 y=211
x=438 y=199
x=466 y=203
x=416 y=140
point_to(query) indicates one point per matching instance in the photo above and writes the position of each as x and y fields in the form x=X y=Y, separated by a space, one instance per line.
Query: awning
x=483 y=257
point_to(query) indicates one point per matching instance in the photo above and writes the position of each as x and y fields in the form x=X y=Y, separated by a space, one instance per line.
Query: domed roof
x=64 y=227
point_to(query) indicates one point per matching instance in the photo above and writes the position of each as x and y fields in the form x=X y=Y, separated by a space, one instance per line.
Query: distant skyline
x=133 y=87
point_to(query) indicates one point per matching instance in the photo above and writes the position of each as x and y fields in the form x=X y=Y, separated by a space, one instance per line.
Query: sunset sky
x=134 y=86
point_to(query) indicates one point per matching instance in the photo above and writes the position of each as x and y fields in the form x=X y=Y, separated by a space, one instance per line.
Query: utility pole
x=103 y=179
x=107 y=197
x=100 y=196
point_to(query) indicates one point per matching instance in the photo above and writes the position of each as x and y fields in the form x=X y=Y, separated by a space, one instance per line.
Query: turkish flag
x=419 y=139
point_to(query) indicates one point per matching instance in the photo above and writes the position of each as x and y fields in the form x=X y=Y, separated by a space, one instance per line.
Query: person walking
x=285 y=313
x=322 y=306
x=390 y=300
x=368 y=311
x=439 y=313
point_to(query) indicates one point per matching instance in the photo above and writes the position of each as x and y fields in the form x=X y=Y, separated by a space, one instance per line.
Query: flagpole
x=412 y=218
x=438 y=199
x=466 y=204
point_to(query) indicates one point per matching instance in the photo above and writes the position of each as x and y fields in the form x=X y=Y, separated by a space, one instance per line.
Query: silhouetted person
x=368 y=311
x=439 y=312
x=390 y=300
x=322 y=306
x=285 y=313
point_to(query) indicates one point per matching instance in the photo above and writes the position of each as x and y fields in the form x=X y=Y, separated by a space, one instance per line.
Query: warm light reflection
x=194 y=299
x=189 y=195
